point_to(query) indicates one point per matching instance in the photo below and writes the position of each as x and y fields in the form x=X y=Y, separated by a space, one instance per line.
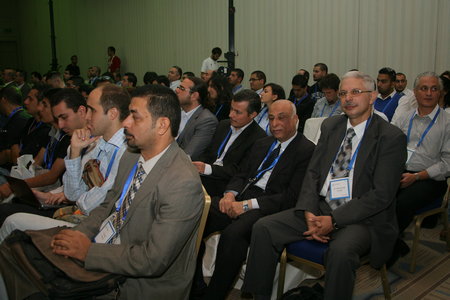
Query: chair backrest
x=201 y=227
x=312 y=129
x=447 y=195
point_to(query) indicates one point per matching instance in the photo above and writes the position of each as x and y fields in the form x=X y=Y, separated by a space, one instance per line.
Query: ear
x=82 y=110
x=113 y=113
x=373 y=97
x=162 y=125
x=253 y=114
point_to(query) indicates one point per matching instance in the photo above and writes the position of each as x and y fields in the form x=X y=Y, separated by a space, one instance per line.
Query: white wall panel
x=276 y=36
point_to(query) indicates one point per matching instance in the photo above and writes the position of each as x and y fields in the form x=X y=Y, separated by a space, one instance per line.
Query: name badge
x=106 y=233
x=410 y=153
x=339 y=188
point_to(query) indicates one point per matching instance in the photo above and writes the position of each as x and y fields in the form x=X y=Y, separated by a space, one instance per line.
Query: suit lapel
x=151 y=180
x=286 y=157
x=241 y=138
x=367 y=144
x=191 y=123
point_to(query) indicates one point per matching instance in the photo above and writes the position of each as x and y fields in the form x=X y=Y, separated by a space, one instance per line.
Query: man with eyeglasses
x=257 y=81
x=198 y=124
x=346 y=200
x=428 y=135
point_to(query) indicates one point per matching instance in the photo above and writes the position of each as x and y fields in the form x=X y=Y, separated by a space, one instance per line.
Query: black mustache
x=126 y=133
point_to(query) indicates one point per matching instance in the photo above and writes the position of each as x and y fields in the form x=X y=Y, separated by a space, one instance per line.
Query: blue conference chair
x=311 y=253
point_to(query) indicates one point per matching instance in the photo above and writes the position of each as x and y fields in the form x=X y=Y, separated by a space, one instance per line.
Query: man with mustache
x=347 y=197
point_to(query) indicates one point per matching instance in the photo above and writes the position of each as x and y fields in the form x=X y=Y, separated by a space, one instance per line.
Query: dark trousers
x=233 y=245
x=272 y=233
x=7 y=209
x=416 y=196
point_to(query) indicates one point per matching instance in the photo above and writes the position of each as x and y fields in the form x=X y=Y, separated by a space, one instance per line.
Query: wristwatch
x=417 y=176
x=245 y=205
x=333 y=221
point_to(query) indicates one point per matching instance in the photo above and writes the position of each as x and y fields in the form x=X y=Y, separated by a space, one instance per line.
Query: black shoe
x=400 y=250
x=198 y=290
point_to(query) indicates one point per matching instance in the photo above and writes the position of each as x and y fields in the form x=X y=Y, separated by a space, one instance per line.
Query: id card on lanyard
x=411 y=150
x=340 y=187
x=108 y=231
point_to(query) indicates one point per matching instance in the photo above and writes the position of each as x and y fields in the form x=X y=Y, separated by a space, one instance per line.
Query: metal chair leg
x=282 y=274
x=412 y=266
x=385 y=283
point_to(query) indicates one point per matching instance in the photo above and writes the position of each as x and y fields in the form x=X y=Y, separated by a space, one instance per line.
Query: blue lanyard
x=426 y=130
x=355 y=154
x=334 y=108
x=125 y=189
x=15 y=110
x=224 y=142
x=297 y=102
x=220 y=108
x=263 y=114
x=49 y=162
x=111 y=162
x=261 y=172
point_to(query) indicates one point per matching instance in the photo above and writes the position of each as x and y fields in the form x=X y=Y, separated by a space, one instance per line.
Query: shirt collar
x=430 y=115
x=390 y=95
x=149 y=164
x=286 y=143
x=189 y=113
x=359 y=129
x=239 y=130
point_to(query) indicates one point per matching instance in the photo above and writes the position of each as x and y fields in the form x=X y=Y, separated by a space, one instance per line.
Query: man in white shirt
x=174 y=76
x=210 y=63
x=102 y=140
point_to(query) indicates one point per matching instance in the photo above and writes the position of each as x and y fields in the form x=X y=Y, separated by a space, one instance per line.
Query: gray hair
x=369 y=82
x=428 y=74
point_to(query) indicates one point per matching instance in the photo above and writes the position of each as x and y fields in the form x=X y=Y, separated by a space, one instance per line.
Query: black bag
x=304 y=293
x=51 y=281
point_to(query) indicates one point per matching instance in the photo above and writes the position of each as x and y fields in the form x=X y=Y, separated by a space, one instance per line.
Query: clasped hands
x=228 y=205
x=319 y=227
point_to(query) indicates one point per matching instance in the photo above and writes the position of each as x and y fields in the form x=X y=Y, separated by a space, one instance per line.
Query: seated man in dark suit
x=347 y=199
x=197 y=122
x=269 y=183
x=233 y=139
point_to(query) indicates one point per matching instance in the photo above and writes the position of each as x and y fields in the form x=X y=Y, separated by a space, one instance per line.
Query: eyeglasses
x=182 y=88
x=354 y=92
x=433 y=89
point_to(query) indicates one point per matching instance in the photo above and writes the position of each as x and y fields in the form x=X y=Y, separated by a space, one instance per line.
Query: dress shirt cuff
x=208 y=170
x=255 y=204
x=72 y=164
x=435 y=173
x=230 y=191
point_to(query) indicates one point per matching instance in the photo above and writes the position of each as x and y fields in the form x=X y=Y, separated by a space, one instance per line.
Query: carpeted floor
x=431 y=280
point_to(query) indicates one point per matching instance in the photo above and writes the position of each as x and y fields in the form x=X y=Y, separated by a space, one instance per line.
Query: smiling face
x=357 y=107
x=282 y=120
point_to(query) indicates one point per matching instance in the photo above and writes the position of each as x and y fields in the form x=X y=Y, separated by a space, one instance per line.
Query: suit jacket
x=157 y=250
x=304 y=111
x=283 y=186
x=197 y=133
x=377 y=172
x=216 y=182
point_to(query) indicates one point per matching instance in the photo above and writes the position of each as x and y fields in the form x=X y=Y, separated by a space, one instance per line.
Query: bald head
x=283 y=120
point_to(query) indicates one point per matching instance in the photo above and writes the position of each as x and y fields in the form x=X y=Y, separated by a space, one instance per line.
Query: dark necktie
x=270 y=159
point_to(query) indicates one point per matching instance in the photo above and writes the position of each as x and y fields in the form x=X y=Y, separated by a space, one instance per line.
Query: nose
x=126 y=122
x=61 y=123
